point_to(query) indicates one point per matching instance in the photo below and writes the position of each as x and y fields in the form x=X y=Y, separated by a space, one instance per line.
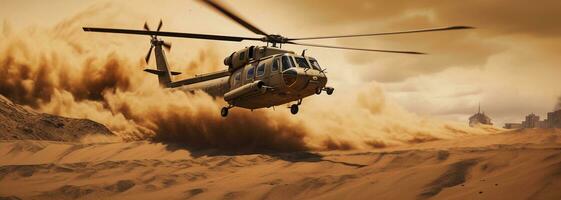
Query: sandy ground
x=519 y=165
x=22 y=123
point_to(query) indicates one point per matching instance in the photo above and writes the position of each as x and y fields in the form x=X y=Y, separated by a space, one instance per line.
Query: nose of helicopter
x=303 y=79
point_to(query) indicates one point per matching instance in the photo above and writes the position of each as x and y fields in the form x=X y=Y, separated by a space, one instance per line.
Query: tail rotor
x=149 y=53
x=155 y=41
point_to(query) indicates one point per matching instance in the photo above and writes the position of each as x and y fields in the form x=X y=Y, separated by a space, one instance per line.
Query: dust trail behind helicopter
x=60 y=70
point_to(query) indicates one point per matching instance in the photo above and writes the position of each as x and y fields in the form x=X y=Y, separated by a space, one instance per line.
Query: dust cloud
x=64 y=71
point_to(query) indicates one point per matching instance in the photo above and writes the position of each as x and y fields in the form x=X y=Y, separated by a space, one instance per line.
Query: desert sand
x=513 y=165
x=23 y=123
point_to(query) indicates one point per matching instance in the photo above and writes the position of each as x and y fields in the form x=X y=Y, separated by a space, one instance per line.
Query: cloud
x=501 y=25
x=497 y=17
x=509 y=63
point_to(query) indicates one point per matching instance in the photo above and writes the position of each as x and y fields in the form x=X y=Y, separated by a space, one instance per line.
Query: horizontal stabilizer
x=200 y=78
x=159 y=72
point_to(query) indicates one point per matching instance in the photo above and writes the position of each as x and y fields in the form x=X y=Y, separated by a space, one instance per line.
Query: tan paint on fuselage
x=278 y=91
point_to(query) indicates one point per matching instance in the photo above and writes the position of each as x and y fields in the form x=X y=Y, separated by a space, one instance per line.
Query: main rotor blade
x=147 y=58
x=146 y=27
x=170 y=34
x=160 y=25
x=358 y=49
x=386 y=33
x=234 y=16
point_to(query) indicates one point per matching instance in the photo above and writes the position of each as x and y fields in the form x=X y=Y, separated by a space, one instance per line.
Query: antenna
x=479 y=108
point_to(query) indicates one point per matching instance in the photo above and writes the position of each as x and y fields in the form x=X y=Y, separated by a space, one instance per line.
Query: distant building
x=479 y=118
x=532 y=121
x=512 y=126
x=553 y=119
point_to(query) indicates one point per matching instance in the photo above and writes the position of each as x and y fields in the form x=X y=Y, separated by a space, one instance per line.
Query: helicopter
x=256 y=76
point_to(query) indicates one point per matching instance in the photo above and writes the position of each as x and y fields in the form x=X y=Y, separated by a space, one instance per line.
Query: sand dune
x=516 y=165
x=18 y=122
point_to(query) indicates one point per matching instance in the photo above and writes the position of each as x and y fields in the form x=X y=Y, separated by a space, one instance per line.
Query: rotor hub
x=275 y=39
x=155 y=41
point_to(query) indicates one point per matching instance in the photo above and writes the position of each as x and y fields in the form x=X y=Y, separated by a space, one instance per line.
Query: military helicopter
x=257 y=76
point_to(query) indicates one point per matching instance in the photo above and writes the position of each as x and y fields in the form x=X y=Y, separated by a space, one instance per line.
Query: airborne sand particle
x=64 y=71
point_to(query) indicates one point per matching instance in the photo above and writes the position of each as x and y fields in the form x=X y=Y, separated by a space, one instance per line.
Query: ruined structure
x=479 y=118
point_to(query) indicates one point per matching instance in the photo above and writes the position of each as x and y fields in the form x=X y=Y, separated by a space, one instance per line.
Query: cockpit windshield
x=287 y=63
x=315 y=64
x=302 y=62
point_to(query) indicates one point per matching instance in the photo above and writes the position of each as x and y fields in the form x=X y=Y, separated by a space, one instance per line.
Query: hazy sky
x=510 y=63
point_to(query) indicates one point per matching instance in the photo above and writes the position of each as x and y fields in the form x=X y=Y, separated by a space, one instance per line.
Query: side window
x=250 y=73
x=242 y=55
x=275 y=66
x=302 y=62
x=237 y=78
x=287 y=63
x=250 y=53
x=261 y=69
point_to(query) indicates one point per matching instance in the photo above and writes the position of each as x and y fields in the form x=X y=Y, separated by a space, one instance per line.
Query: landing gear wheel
x=318 y=91
x=329 y=91
x=224 y=112
x=294 y=109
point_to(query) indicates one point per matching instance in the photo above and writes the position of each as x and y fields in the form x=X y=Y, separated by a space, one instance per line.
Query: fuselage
x=268 y=81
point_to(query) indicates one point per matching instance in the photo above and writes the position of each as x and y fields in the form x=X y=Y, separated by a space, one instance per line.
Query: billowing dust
x=64 y=71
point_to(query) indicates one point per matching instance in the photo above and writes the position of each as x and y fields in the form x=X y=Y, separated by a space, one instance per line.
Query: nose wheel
x=328 y=90
x=294 y=109
x=224 y=111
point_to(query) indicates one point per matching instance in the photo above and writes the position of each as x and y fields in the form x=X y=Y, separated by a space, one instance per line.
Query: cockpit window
x=287 y=63
x=315 y=64
x=302 y=62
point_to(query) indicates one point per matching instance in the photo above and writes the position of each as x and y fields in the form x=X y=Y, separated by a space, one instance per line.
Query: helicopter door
x=249 y=74
x=275 y=79
x=260 y=72
x=236 y=79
